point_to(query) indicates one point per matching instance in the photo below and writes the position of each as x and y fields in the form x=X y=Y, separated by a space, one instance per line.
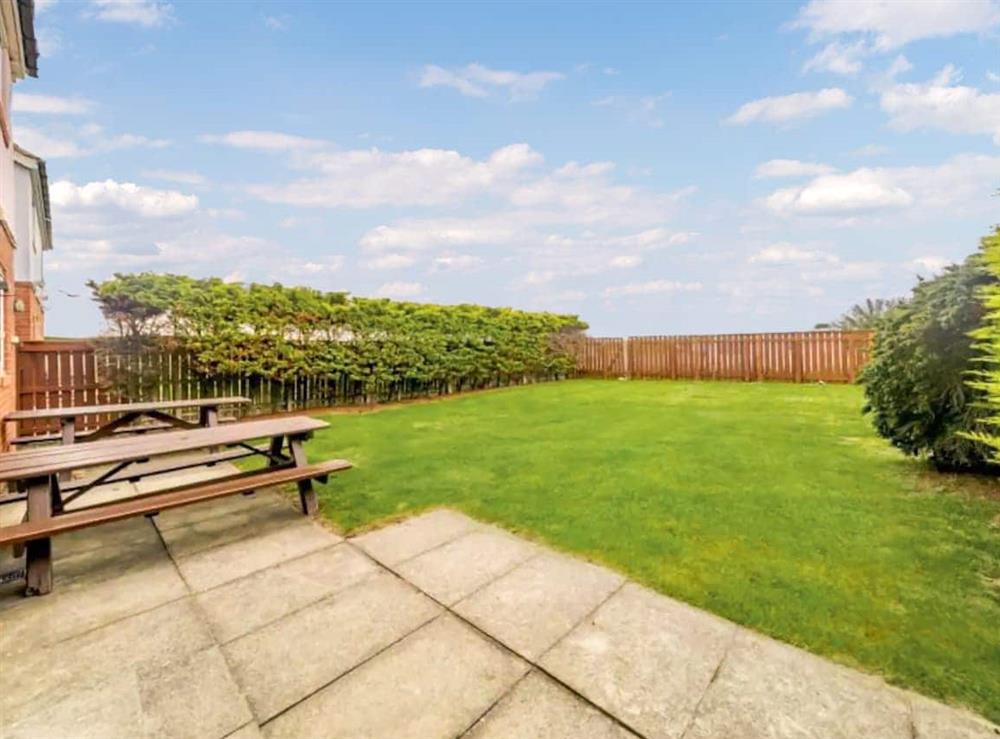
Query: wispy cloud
x=263 y=140
x=145 y=13
x=784 y=109
x=475 y=80
x=652 y=287
x=941 y=103
x=897 y=22
x=790 y=168
x=26 y=102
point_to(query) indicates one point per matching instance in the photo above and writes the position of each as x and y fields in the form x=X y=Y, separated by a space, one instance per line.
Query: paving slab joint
x=715 y=676
x=533 y=663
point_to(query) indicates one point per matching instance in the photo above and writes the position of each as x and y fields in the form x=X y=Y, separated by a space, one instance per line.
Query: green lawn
x=773 y=505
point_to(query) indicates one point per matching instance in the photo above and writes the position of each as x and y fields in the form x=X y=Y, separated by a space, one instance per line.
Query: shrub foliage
x=916 y=379
x=280 y=333
x=986 y=379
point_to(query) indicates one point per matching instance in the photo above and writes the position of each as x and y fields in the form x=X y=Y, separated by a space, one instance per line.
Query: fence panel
x=805 y=356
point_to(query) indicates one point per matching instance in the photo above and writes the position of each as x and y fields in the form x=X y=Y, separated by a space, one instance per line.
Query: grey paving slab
x=221 y=564
x=246 y=522
x=433 y=684
x=540 y=708
x=230 y=505
x=933 y=720
x=401 y=541
x=289 y=659
x=87 y=603
x=452 y=571
x=645 y=658
x=192 y=697
x=107 y=536
x=769 y=690
x=153 y=483
x=537 y=603
x=105 y=709
x=246 y=604
x=158 y=637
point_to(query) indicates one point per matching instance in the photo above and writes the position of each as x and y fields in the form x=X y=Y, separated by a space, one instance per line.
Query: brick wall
x=29 y=321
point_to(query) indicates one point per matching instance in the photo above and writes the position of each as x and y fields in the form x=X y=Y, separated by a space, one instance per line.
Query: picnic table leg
x=274 y=450
x=38 y=560
x=67 y=427
x=209 y=416
x=310 y=504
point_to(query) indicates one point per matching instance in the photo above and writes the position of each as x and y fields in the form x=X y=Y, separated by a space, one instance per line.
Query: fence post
x=625 y=362
x=797 y=358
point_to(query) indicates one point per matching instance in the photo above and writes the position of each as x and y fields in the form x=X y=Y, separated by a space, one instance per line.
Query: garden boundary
x=804 y=356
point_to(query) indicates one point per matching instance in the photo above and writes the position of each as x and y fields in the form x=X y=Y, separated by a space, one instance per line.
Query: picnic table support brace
x=307 y=495
x=38 y=553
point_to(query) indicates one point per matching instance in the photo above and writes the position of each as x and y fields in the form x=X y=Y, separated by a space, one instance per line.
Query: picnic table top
x=51 y=460
x=86 y=410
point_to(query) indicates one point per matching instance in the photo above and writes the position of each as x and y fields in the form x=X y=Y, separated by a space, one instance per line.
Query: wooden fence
x=808 y=356
x=52 y=374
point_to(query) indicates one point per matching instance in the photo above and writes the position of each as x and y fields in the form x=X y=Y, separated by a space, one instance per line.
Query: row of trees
x=932 y=384
x=281 y=333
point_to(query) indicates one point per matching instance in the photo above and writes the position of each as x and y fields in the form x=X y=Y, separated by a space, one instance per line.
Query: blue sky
x=669 y=168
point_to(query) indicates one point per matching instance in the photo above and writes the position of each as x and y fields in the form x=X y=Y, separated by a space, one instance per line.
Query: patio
x=240 y=619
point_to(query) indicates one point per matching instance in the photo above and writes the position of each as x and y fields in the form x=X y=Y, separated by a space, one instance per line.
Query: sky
x=668 y=168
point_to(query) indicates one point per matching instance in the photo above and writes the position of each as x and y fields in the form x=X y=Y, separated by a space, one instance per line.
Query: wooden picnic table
x=37 y=474
x=125 y=415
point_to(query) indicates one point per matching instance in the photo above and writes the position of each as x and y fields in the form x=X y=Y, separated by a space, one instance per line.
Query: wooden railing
x=807 y=356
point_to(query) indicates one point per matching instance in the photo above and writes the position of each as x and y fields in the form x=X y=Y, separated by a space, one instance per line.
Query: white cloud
x=838 y=58
x=400 y=290
x=653 y=287
x=311 y=267
x=181 y=177
x=84 y=141
x=263 y=141
x=859 y=191
x=47 y=147
x=789 y=108
x=25 y=102
x=893 y=23
x=928 y=265
x=791 y=168
x=475 y=80
x=961 y=185
x=457 y=262
x=941 y=103
x=277 y=22
x=786 y=253
x=368 y=178
x=418 y=234
x=642 y=109
x=145 y=13
x=137 y=199
x=993 y=76
x=391 y=261
x=625 y=261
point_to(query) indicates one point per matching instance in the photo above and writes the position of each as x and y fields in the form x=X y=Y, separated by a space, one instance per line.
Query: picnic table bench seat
x=152 y=503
